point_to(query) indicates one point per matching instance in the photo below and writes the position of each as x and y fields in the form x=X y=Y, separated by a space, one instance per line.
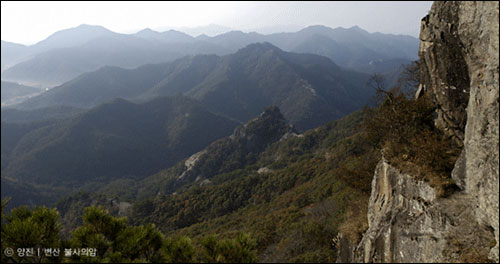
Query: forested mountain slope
x=117 y=139
x=292 y=192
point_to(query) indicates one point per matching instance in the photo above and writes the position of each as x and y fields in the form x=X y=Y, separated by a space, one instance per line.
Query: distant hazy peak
x=316 y=27
x=72 y=37
x=169 y=35
x=232 y=32
x=173 y=31
x=358 y=29
x=325 y=29
x=87 y=26
x=202 y=36
x=259 y=47
x=83 y=28
x=146 y=30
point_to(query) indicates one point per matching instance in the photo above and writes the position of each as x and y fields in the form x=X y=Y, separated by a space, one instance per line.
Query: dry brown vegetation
x=403 y=128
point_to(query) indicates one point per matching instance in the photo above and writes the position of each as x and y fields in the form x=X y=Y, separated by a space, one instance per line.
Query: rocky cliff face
x=463 y=37
x=459 y=71
x=408 y=222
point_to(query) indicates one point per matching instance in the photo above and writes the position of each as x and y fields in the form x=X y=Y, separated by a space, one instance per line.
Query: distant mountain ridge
x=13 y=53
x=309 y=89
x=69 y=53
x=168 y=36
x=57 y=66
x=72 y=37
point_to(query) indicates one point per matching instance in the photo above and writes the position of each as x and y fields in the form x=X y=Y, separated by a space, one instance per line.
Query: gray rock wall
x=408 y=222
x=462 y=37
x=440 y=47
x=459 y=71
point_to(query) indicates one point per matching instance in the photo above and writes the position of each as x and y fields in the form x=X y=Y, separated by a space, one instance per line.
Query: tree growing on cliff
x=403 y=128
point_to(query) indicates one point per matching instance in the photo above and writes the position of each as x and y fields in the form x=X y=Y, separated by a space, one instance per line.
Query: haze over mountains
x=111 y=107
x=13 y=93
x=13 y=53
x=136 y=117
x=309 y=89
x=322 y=145
x=71 y=52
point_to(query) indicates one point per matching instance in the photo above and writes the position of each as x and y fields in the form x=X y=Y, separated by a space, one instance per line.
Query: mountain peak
x=253 y=137
x=272 y=112
x=259 y=47
x=316 y=29
x=269 y=127
x=84 y=29
x=169 y=35
x=146 y=30
x=89 y=26
x=357 y=29
x=173 y=31
x=72 y=37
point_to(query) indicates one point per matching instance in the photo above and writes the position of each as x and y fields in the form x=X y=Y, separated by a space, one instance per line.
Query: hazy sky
x=30 y=22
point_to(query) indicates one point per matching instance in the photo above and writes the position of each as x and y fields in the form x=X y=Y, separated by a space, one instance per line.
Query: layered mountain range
x=108 y=118
x=309 y=89
x=71 y=52
x=262 y=134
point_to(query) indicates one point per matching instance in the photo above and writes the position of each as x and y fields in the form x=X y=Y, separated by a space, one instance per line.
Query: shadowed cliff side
x=470 y=30
x=409 y=221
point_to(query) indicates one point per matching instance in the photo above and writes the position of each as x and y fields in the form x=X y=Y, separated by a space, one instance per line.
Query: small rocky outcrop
x=236 y=150
x=260 y=132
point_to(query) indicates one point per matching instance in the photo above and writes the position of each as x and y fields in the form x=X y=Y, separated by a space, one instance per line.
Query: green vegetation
x=227 y=155
x=111 y=239
x=26 y=228
x=316 y=185
x=238 y=250
x=313 y=188
x=293 y=193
